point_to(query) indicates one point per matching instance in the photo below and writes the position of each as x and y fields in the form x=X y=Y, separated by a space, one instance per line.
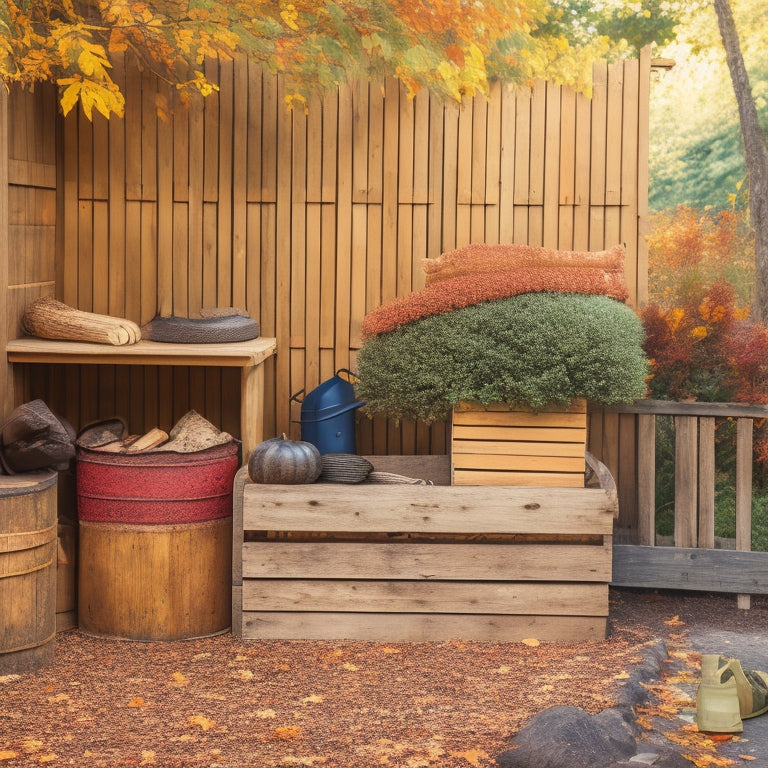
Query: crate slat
x=419 y=597
x=403 y=560
x=389 y=627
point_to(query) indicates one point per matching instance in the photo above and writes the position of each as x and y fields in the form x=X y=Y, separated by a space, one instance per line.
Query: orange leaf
x=179 y=681
x=532 y=641
x=675 y=621
x=202 y=721
x=747 y=757
x=287 y=732
x=7 y=754
x=137 y=702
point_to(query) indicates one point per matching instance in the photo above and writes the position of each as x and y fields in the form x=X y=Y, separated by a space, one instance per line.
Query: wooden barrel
x=27 y=571
x=155 y=582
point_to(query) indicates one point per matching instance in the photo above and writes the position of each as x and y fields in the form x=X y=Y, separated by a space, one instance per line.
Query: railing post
x=744 y=493
x=686 y=486
x=706 y=536
x=646 y=479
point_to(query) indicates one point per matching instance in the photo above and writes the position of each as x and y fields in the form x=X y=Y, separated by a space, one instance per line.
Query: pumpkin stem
x=283 y=436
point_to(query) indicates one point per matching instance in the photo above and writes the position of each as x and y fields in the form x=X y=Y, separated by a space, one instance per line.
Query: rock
x=569 y=737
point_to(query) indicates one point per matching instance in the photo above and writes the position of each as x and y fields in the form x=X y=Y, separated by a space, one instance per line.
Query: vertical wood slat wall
x=27 y=217
x=310 y=220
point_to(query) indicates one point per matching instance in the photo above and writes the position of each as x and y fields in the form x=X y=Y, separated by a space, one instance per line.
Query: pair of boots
x=728 y=694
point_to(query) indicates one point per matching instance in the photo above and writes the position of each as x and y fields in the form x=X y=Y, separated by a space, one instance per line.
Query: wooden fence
x=311 y=220
x=692 y=562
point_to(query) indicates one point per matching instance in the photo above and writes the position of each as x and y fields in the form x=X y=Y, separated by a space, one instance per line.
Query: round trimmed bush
x=532 y=350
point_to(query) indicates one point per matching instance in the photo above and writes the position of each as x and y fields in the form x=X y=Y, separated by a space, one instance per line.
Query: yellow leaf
x=7 y=754
x=202 y=721
x=547 y=688
x=49 y=758
x=148 y=757
x=472 y=756
x=287 y=732
x=503 y=669
x=747 y=757
x=388 y=649
x=313 y=699
x=532 y=641
x=246 y=674
x=32 y=745
x=623 y=675
x=266 y=714
x=179 y=681
x=350 y=667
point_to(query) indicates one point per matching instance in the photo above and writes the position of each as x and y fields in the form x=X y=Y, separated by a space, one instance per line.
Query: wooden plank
x=641 y=192
x=426 y=508
x=708 y=570
x=583 y=141
x=551 y=171
x=536 y=479
x=425 y=562
x=390 y=192
x=675 y=408
x=6 y=380
x=254 y=134
x=517 y=462
x=67 y=263
x=507 y=166
x=613 y=136
x=525 y=434
x=744 y=457
x=538 y=143
x=389 y=627
x=386 y=596
x=238 y=354
x=343 y=230
x=706 y=475
x=224 y=185
x=686 y=486
x=518 y=448
x=646 y=479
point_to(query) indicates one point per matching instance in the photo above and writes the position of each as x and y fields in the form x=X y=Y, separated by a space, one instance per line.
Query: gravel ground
x=223 y=702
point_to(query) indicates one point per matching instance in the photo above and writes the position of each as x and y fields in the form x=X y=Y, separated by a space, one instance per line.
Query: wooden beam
x=708 y=570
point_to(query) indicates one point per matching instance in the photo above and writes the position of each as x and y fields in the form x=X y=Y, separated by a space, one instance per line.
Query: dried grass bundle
x=49 y=318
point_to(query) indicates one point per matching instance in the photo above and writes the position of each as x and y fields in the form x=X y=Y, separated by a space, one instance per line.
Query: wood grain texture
x=28 y=536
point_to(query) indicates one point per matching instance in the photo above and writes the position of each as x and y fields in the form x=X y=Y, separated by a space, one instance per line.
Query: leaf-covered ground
x=223 y=702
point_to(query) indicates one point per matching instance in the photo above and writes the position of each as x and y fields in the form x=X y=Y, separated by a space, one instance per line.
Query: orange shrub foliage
x=481 y=257
x=689 y=250
x=477 y=273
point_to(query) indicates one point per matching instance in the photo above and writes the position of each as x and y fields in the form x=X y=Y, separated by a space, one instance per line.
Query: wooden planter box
x=419 y=562
x=499 y=446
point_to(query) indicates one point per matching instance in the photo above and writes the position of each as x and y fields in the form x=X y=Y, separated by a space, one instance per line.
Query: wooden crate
x=419 y=562
x=502 y=446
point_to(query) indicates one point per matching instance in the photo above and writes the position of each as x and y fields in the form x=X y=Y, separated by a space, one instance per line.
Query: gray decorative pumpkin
x=281 y=461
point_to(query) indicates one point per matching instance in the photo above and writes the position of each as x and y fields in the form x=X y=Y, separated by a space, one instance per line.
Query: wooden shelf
x=247 y=355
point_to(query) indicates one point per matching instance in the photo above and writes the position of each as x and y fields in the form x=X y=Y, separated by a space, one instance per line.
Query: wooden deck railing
x=693 y=562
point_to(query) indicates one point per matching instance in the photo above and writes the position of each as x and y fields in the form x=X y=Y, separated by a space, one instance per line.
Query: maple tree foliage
x=451 y=47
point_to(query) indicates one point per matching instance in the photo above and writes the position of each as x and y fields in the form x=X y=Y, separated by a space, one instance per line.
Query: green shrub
x=532 y=350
